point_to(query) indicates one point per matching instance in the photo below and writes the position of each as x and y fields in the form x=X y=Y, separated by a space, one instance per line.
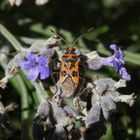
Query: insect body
x=69 y=71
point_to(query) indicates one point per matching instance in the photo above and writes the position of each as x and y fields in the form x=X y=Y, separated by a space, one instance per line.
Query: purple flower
x=36 y=66
x=117 y=62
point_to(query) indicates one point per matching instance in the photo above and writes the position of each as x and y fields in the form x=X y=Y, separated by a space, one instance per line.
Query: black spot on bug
x=70 y=60
x=65 y=58
x=74 y=74
x=63 y=73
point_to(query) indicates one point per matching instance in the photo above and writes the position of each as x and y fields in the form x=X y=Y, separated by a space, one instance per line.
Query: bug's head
x=70 y=50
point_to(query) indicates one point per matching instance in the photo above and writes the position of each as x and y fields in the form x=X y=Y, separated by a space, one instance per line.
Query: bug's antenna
x=89 y=30
x=59 y=36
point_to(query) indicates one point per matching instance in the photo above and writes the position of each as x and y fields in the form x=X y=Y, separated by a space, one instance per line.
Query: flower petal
x=44 y=72
x=121 y=54
x=33 y=74
x=35 y=65
x=113 y=47
x=118 y=53
x=117 y=62
x=41 y=60
x=25 y=65
x=107 y=61
x=124 y=74
x=29 y=62
x=31 y=57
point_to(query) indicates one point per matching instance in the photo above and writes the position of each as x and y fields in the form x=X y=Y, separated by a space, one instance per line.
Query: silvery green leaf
x=129 y=99
x=55 y=133
x=79 y=104
x=41 y=2
x=15 y=2
x=48 y=53
x=71 y=111
x=105 y=83
x=11 y=107
x=41 y=45
x=60 y=115
x=93 y=115
x=38 y=130
x=95 y=99
x=6 y=127
x=120 y=83
x=107 y=105
x=94 y=60
x=11 y=69
x=13 y=65
x=1 y=108
x=4 y=51
x=60 y=133
x=112 y=85
x=56 y=89
x=44 y=109
x=114 y=96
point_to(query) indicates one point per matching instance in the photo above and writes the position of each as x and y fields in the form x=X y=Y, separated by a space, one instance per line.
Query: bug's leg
x=57 y=60
x=53 y=79
x=54 y=71
x=82 y=79
x=55 y=65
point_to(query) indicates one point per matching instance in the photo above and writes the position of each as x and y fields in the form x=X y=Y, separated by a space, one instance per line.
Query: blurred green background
x=114 y=21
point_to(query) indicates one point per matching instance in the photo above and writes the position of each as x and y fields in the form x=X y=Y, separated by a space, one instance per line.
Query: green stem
x=38 y=92
x=19 y=85
x=10 y=38
x=132 y=58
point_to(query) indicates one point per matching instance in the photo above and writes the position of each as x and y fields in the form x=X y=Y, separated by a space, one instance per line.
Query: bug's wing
x=64 y=72
x=68 y=86
x=74 y=72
